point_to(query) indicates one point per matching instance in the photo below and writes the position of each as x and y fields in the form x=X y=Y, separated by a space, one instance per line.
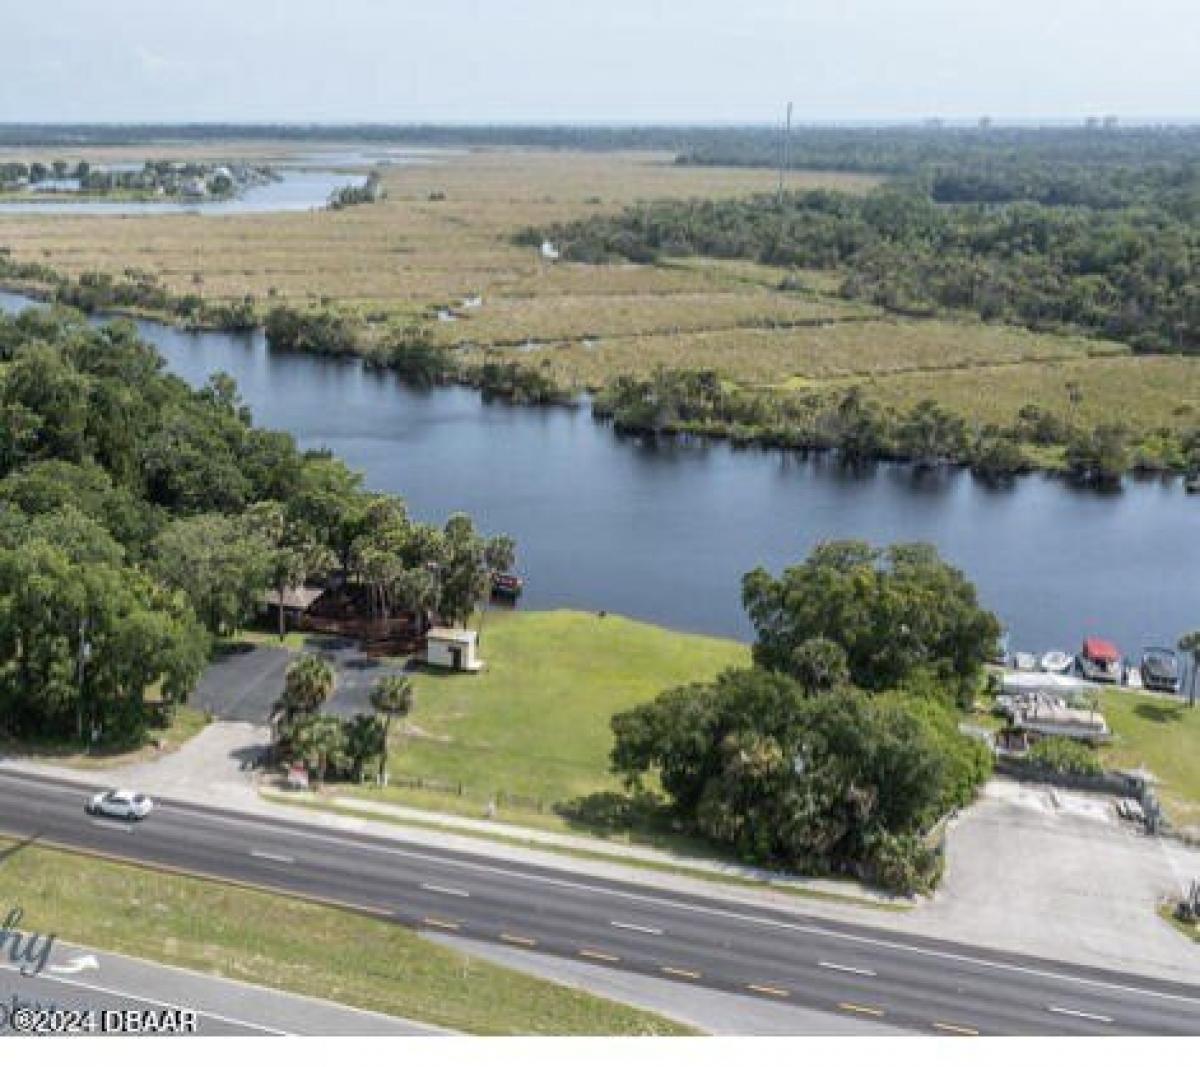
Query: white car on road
x=121 y=804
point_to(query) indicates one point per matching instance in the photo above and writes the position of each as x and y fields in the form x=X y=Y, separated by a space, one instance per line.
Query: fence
x=501 y=799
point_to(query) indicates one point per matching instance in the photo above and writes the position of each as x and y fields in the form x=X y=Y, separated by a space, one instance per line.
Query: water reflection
x=664 y=530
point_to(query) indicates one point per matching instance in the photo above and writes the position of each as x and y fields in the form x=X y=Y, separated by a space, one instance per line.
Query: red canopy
x=1099 y=651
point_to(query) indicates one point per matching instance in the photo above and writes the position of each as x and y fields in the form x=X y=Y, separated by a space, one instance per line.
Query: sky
x=634 y=61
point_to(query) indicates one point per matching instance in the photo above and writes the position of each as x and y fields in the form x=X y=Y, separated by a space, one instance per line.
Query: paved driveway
x=243 y=683
x=1056 y=874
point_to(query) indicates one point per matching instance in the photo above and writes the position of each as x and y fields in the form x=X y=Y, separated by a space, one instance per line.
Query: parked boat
x=1099 y=660
x=1025 y=661
x=1160 y=670
x=507 y=586
x=1056 y=661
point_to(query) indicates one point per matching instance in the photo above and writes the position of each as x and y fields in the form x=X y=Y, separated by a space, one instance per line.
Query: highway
x=864 y=971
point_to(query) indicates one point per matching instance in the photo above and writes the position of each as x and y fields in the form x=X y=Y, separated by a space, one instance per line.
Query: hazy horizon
x=654 y=62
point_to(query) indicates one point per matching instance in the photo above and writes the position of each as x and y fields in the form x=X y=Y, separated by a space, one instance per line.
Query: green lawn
x=1162 y=735
x=536 y=722
x=289 y=944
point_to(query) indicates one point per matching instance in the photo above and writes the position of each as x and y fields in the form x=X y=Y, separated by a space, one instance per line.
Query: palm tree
x=366 y=739
x=288 y=569
x=1190 y=643
x=308 y=684
x=417 y=589
x=392 y=695
x=319 y=740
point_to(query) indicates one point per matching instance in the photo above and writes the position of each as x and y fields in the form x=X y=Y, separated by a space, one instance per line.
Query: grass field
x=293 y=945
x=536 y=723
x=410 y=255
x=1162 y=736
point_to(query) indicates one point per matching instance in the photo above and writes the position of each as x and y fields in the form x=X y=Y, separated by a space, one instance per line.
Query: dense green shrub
x=1065 y=756
x=842 y=781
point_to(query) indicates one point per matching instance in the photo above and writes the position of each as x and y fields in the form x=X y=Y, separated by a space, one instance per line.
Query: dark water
x=665 y=532
x=299 y=190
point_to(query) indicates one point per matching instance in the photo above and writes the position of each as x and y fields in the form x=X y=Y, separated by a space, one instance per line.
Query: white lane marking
x=77 y=965
x=273 y=857
x=337 y=840
x=447 y=890
x=1079 y=1014
x=847 y=968
x=108 y=824
x=654 y=931
x=141 y=999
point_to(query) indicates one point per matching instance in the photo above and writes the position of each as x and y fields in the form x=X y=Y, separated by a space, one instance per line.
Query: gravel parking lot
x=1058 y=874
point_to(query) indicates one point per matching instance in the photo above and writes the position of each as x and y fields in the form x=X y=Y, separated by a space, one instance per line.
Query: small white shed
x=456 y=650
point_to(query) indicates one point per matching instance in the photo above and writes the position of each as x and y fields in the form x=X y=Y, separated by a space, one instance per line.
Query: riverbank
x=671 y=403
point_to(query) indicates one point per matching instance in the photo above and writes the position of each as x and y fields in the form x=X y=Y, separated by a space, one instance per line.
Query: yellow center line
x=593 y=954
x=770 y=990
x=950 y=1028
x=860 y=1008
x=514 y=939
x=444 y=924
x=679 y=972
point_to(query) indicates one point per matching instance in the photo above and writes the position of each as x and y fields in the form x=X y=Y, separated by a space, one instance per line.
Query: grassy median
x=296 y=946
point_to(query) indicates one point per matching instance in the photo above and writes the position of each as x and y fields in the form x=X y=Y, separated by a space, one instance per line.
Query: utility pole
x=785 y=149
x=85 y=653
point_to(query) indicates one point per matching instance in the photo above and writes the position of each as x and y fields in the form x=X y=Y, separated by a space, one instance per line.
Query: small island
x=156 y=179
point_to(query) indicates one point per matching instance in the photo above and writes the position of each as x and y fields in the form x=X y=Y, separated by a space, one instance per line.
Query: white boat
x=1024 y=661
x=1056 y=661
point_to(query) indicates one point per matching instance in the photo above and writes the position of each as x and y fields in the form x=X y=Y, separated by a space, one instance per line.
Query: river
x=297 y=190
x=664 y=532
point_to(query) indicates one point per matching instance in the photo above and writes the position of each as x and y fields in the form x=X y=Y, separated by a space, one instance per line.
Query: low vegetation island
x=156 y=179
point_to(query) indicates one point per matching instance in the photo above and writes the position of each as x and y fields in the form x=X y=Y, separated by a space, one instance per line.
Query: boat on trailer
x=1099 y=660
x=1160 y=670
x=1056 y=661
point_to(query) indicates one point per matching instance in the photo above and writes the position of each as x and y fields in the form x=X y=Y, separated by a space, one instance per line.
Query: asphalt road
x=864 y=971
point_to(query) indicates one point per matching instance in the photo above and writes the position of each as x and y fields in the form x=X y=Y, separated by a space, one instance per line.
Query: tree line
x=704 y=403
x=1127 y=274
x=141 y=519
x=919 y=149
